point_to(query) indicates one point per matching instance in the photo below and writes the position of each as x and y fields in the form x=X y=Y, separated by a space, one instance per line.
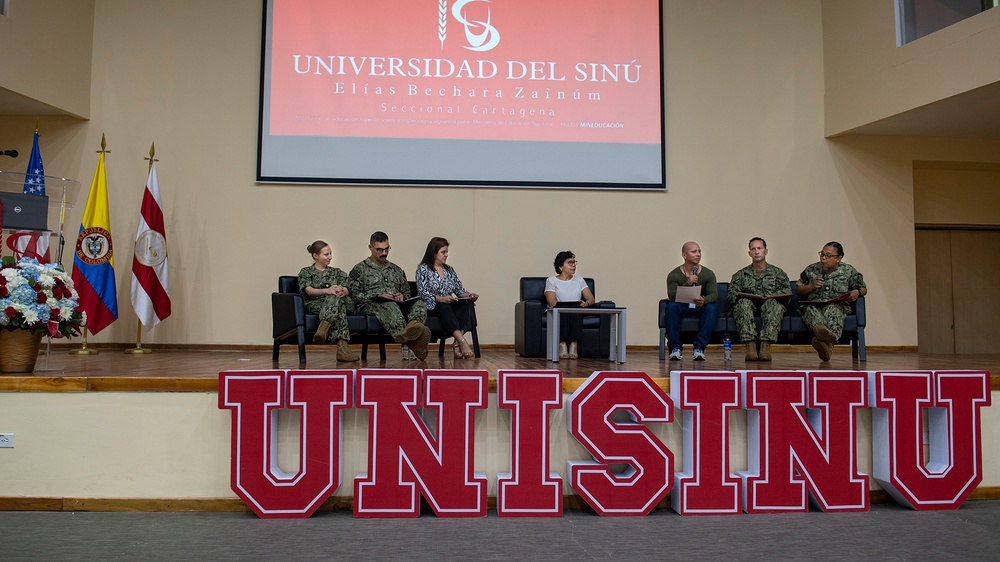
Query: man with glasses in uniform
x=380 y=287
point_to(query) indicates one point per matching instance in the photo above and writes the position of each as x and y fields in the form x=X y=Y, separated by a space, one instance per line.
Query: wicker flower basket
x=18 y=351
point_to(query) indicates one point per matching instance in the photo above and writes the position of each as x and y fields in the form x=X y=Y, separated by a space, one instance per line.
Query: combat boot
x=321 y=332
x=419 y=345
x=413 y=330
x=825 y=350
x=824 y=334
x=765 y=351
x=344 y=352
x=751 y=351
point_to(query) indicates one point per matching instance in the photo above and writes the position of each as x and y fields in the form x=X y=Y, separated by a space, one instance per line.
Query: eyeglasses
x=825 y=256
x=381 y=250
x=571 y=262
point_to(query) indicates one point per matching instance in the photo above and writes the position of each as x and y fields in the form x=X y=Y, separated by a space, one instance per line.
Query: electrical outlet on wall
x=7 y=440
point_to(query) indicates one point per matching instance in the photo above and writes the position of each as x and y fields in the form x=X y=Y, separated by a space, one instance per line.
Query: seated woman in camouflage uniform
x=829 y=279
x=325 y=292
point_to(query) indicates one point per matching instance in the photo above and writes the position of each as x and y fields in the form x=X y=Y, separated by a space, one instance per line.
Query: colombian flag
x=94 y=262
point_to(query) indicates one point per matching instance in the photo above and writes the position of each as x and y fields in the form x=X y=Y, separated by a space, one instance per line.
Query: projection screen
x=488 y=93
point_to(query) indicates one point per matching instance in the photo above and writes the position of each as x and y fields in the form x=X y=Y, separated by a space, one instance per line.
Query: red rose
x=11 y=312
x=57 y=293
x=41 y=298
x=3 y=291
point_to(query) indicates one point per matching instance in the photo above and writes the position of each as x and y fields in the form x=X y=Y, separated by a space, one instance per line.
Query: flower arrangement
x=38 y=298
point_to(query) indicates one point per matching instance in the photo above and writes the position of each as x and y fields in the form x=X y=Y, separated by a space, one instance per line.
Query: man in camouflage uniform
x=765 y=280
x=828 y=279
x=376 y=276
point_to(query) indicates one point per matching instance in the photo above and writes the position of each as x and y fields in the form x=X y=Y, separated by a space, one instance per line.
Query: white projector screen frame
x=484 y=93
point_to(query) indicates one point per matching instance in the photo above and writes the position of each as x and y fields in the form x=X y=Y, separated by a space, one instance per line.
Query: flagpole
x=138 y=349
x=84 y=350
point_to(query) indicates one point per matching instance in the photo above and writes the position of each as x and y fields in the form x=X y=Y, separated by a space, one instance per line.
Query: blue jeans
x=678 y=310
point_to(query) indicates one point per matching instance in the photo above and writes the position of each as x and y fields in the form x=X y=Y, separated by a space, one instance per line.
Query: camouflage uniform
x=368 y=279
x=331 y=308
x=772 y=281
x=844 y=278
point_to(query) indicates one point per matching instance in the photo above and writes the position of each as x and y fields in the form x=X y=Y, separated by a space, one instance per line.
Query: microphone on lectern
x=12 y=153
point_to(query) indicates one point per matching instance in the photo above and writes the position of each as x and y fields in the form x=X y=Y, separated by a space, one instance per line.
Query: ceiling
x=16 y=104
x=973 y=114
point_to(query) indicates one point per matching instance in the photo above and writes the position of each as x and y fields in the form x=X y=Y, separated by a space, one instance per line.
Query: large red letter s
x=254 y=398
x=953 y=401
x=648 y=477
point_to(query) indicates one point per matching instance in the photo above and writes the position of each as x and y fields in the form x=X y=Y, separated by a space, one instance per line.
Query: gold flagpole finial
x=104 y=146
x=152 y=151
x=36 y=125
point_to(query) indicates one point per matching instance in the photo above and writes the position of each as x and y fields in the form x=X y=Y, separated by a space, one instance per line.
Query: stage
x=117 y=431
x=196 y=369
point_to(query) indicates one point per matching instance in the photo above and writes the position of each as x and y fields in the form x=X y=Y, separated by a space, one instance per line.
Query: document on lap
x=762 y=298
x=842 y=298
x=380 y=298
x=688 y=294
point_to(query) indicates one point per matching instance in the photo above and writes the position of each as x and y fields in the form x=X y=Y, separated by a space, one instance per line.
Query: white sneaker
x=699 y=355
x=675 y=355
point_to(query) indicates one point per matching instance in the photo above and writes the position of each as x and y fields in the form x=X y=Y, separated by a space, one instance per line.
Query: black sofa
x=293 y=325
x=792 y=330
x=530 y=323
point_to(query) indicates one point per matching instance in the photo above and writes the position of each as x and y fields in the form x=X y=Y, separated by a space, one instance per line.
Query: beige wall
x=868 y=78
x=956 y=193
x=746 y=156
x=177 y=445
x=46 y=48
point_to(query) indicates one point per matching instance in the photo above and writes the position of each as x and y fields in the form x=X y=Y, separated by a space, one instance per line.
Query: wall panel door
x=935 y=307
x=975 y=278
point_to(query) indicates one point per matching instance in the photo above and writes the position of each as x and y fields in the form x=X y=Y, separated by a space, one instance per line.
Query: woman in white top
x=567 y=289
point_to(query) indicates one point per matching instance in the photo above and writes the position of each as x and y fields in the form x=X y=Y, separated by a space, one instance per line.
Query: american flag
x=34 y=178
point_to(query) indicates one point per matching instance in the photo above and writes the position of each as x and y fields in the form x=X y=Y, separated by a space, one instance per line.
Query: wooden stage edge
x=335 y=503
x=194 y=368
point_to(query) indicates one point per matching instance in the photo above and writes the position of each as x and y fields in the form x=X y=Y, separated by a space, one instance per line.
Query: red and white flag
x=150 y=289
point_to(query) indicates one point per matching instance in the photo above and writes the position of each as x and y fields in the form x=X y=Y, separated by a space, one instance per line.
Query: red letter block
x=953 y=401
x=405 y=459
x=650 y=464
x=529 y=489
x=705 y=486
x=801 y=436
x=254 y=398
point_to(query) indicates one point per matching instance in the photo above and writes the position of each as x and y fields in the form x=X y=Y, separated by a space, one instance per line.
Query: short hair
x=684 y=246
x=840 y=249
x=316 y=247
x=561 y=258
x=762 y=241
x=433 y=247
x=378 y=236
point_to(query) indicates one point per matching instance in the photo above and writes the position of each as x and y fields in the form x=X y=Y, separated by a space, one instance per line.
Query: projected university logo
x=480 y=35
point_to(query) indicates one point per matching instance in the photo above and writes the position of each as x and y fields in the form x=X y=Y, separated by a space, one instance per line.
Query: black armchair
x=530 y=323
x=292 y=325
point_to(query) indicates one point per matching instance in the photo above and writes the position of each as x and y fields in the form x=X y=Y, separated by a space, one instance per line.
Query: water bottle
x=406 y=352
x=727 y=348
